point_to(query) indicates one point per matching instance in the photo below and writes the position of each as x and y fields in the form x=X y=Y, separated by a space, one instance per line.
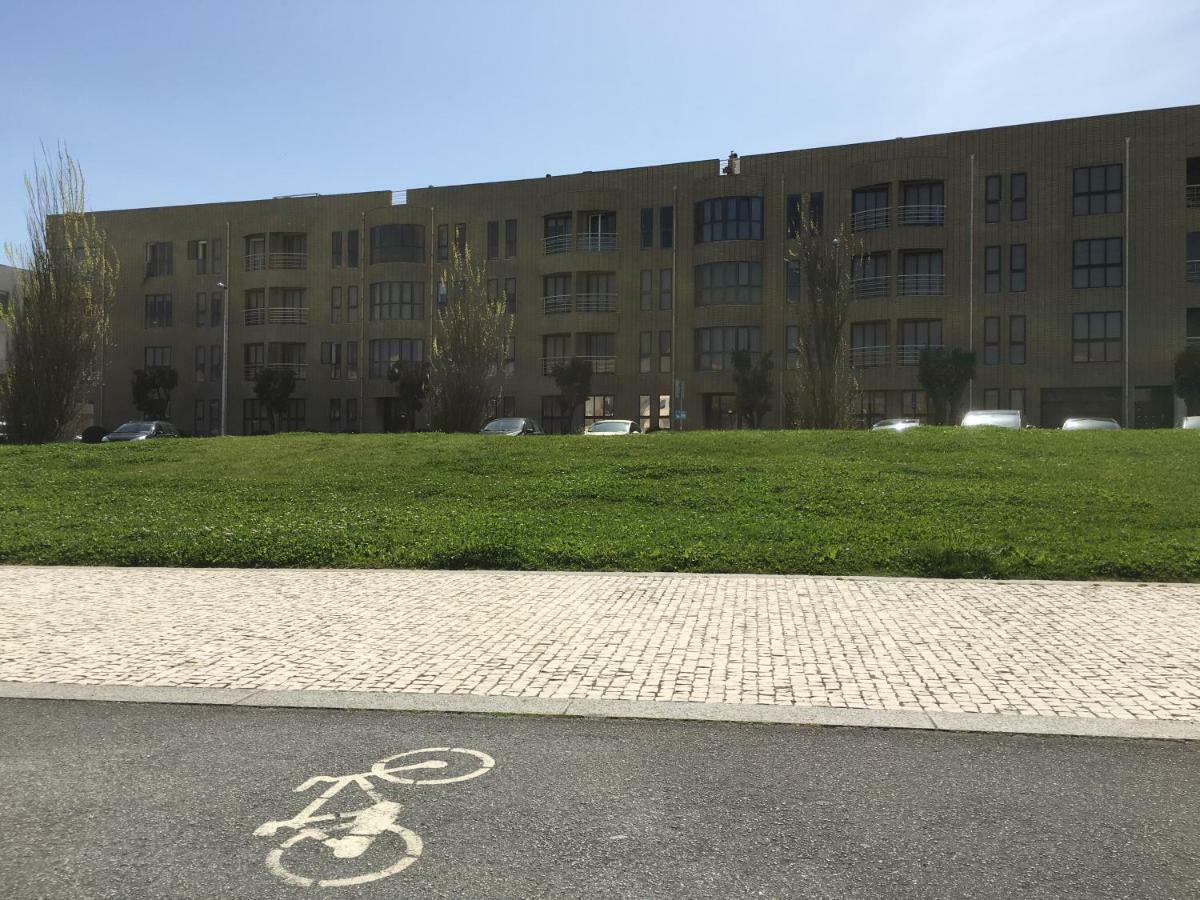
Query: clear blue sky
x=174 y=102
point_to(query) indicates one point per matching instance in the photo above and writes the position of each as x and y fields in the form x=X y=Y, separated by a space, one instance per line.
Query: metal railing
x=549 y=363
x=869 y=357
x=287 y=315
x=872 y=286
x=1193 y=270
x=1192 y=341
x=910 y=354
x=1191 y=194
x=399 y=198
x=256 y=262
x=556 y=303
x=297 y=369
x=870 y=219
x=255 y=316
x=923 y=214
x=596 y=303
x=602 y=365
x=588 y=241
x=916 y=285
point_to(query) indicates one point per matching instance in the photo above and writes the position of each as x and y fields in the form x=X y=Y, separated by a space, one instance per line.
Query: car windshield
x=990 y=418
x=609 y=428
x=135 y=427
x=504 y=425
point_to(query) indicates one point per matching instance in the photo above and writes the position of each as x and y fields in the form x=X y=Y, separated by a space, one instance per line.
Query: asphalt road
x=130 y=801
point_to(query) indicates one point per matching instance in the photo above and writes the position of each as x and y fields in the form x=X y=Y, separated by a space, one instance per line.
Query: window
x=917 y=335
x=645 y=348
x=872 y=406
x=729 y=219
x=597 y=407
x=922 y=272
x=335 y=414
x=644 y=412
x=792 y=347
x=868 y=344
x=216 y=309
x=666 y=287
x=510 y=296
x=991 y=341
x=601 y=348
x=335 y=305
x=1016 y=340
x=460 y=237
x=397 y=243
x=555 y=350
x=352 y=415
x=871 y=274
x=1097 y=263
x=991 y=198
x=351 y=363
x=254 y=417
x=385 y=352
x=293 y=417
x=158 y=310
x=816 y=210
x=556 y=229
x=331 y=355
x=335 y=251
x=352 y=248
x=398 y=300
x=991 y=398
x=914 y=404
x=159 y=260
x=201 y=363
x=198 y=418
x=1192 y=255
x=554 y=420
x=1018 y=188
x=1016 y=399
x=197 y=251
x=869 y=208
x=666 y=227
x=556 y=293
x=441 y=295
x=352 y=304
x=443 y=243
x=924 y=203
x=504 y=406
x=647 y=239
x=664 y=351
x=792 y=282
x=725 y=283
x=991 y=270
x=664 y=411
x=493 y=239
x=510 y=238
x=1096 y=337
x=156 y=357
x=795 y=215
x=214 y=362
x=1016 y=268
x=715 y=346
x=1097 y=190
x=510 y=355
x=647 y=289
x=202 y=309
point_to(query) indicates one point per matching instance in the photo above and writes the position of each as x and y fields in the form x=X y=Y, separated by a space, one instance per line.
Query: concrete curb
x=617 y=709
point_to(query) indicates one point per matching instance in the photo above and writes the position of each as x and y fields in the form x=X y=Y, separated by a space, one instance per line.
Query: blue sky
x=173 y=102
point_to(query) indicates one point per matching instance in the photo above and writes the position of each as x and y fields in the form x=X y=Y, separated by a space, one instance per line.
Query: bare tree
x=470 y=338
x=825 y=386
x=58 y=330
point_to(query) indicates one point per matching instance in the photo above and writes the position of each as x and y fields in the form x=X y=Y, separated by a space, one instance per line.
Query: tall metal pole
x=971 y=287
x=1126 y=410
x=225 y=338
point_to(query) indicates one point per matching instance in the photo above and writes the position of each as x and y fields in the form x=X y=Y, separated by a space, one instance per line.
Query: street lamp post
x=224 y=355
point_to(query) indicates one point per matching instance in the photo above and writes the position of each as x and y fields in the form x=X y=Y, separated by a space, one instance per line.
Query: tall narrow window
x=510 y=295
x=666 y=227
x=352 y=304
x=793 y=282
x=201 y=363
x=1016 y=399
x=335 y=305
x=352 y=248
x=792 y=346
x=460 y=237
x=991 y=270
x=991 y=341
x=816 y=210
x=214 y=362
x=664 y=351
x=991 y=398
x=1016 y=340
x=795 y=215
x=202 y=309
x=352 y=360
x=335 y=414
x=647 y=289
x=443 y=243
x=510 y=238
x=645 y=345
x=216 y=309
x=666 y=283
x=493 y=240
x=1019 y=187
x=335 y=253
x=991 y=198
x=1016 y=268
x=647 y=229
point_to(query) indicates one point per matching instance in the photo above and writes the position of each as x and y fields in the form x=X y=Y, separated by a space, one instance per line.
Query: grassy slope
x=930 y=502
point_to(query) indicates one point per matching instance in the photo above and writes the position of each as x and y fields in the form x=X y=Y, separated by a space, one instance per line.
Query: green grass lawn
x=940 y=502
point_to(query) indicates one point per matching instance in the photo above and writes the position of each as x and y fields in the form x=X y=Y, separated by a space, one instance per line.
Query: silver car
x=1091 y=424
x=1190 y=422
x=895 y=424
x=613 y=426
x=994 y=418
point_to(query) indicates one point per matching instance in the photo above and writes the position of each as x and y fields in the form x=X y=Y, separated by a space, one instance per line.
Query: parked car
x=513 y=427
x=1085 y=423
x=1190 y=422
x=995 y=418
x=895 y=424
x=613 y=426
x=140 y=431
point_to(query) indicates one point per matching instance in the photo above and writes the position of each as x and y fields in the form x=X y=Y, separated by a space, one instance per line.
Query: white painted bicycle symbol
x=352 y=834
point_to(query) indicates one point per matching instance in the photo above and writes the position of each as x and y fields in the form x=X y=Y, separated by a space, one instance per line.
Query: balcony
x=588 y=241
x=910 y=354
x=1192 y=194
x=872 y=286
x=922 y=285
x=256 y=262
x=596 y=303
x=549 y=363
x=556 y=303
x=870 y=219
x=297 y=369
x=255 y=316
x=602 y=365
x=277 y=315
x=924 y=214
x=1193 y=271
x=869 y=357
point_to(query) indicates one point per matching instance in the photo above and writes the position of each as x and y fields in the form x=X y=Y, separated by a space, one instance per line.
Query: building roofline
x=322 y=197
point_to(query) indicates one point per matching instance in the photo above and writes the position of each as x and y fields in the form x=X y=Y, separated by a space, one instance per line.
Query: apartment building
x=9 y=283
x=1065 y=254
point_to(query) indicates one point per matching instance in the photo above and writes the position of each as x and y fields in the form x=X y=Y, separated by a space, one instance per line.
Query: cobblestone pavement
x=1028 y=648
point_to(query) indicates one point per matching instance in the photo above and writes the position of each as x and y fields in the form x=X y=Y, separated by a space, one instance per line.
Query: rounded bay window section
x=729 y=219
x=729 y=283
x=392 y=243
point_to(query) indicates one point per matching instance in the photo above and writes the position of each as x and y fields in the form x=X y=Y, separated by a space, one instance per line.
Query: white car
x=895 y=424
x=607 y=427
x=1090 y=423
x=1192 y=422
x=995 y=418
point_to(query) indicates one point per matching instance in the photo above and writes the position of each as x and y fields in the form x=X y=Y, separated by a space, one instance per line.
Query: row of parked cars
x=517 y=426
x=1014 y=418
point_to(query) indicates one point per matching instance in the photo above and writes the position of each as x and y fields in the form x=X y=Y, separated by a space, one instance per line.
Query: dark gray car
x=140 y=431
x=512 y=427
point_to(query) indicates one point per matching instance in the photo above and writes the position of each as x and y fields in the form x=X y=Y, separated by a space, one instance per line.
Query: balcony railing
x=256 y=316
x=1192 y=194
x=910 y=354
x=297 y=369
x=870 y=219
x=556 y=303
x=596 y=303
x=287 y=315
x=922 y=284
x=872 y=286
x=1193 y=271
x=257 y=261
x=602 y=365
x=549 y=363
x=869 y=357
x=1192 y=341
x=589 y=241
x=923 y=214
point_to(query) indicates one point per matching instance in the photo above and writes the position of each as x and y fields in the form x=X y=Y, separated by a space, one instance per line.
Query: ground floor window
x=991 y=398
x=664 y=411
x=254 y=417
x=335 y=415
x=292 y=418
x=720 y=412
x=872 y=406
x=597 y=407
x=502 y=407
x=554 y=420
x=914 y=405
x=1016 y=399
x=352 y=415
